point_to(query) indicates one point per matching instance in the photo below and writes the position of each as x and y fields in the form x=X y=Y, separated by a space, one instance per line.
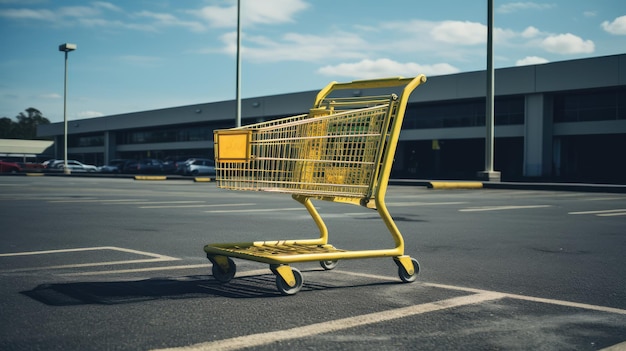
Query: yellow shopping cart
x=341 y=151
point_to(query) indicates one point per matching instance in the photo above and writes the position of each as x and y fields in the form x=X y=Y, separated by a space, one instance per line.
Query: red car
x=9 y=167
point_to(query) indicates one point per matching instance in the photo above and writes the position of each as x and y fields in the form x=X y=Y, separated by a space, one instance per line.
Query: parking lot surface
x=117 y=264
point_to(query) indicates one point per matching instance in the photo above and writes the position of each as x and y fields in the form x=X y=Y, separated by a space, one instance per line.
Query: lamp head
x=67 y=47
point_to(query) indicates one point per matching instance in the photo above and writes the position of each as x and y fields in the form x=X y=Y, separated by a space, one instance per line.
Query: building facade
x=562 y=121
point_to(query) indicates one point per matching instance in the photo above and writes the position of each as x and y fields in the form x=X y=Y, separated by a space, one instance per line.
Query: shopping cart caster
x=223 y=269
x=328 y=265
x=407 y=276
x=288 y=279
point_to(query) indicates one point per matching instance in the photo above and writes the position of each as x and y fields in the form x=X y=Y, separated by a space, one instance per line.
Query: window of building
x=471 y=113
x=585 y=106
x=167 y=134
x=85 y=140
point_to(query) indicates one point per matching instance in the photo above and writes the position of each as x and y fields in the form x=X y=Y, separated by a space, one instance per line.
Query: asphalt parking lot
x=102 y=264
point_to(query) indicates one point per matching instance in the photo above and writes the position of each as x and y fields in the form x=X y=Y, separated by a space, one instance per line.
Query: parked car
x=31 y=166
x=74 y=166
x=175 y=164
x=48 y=163
x=54 y=164
x=9 y=167
x=144 y=166
x=198 y=166
x=115 y=166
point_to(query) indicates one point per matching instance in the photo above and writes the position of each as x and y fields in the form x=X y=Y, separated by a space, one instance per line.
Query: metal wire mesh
x=337 y=154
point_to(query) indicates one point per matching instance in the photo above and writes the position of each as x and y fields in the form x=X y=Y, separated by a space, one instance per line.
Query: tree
x=25 y=127
x=7 y=127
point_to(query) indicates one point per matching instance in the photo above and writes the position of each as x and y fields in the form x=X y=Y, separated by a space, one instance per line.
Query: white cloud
x=567 y=44
x=218 y=16
x=93 y=16
x=166 y=19
x=99 y=22
x=21 y=2
x=49 y=15
x=50 y=96
x=78 y=11
x=460 y=33
x=617 y=27
x=107 y=6
x=89 y=114
x=28 y=14
x=255 y=12
x=273 y=11
x=531 y=60
x=296 y=47
x=381 y=68
x=519 y=6
x=530 y=32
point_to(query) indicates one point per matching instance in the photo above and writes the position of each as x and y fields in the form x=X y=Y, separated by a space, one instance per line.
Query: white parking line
x=411 y=204
x=166 y=268
x=500 y=208
x=513 y=296
x=155 y=258
x=28 y=253
x=91 y=200
x=259 y=210
x=537 y=299
x=138 y=270
x=612 y=214
x=619 y=212
x=198 y=206
x=144 y=202
x=604 y=198
x=260 y=339
x=378 y=277
x=476 y=296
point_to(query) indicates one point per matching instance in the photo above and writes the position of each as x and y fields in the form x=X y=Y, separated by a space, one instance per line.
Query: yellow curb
x=150 y=177
x=201 y=180
x=34 y=174
x=455 y=185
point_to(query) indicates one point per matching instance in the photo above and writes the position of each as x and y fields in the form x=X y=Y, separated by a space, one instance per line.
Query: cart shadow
x=189 y=287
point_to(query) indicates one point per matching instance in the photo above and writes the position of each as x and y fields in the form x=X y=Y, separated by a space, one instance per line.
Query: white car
x=199 y=166
x=75 y=166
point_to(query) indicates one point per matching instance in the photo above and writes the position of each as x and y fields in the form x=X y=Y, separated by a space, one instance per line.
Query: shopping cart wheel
x=328 y=265
x=405 y=276
x=224 y=276
x=284 y=288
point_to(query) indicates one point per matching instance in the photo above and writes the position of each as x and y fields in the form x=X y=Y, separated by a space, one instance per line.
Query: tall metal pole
x=238 y=98
x=489 y=173
x=66 y=169
x=66 y=48
x=490 y=83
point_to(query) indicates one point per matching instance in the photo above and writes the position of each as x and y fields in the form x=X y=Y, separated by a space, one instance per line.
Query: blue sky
x=136 y=55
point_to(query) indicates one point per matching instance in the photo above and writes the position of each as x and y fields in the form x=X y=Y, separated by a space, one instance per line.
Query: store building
x=563 y=121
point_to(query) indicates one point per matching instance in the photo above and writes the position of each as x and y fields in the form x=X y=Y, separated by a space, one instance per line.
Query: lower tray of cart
x=276 y=252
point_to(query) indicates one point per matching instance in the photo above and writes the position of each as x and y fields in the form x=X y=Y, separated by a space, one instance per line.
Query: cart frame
x=235 y=156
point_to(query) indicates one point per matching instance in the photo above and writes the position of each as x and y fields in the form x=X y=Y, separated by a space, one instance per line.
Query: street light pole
x=489 y=120
x=238 y=83
x=66 y=48
x=489 y=174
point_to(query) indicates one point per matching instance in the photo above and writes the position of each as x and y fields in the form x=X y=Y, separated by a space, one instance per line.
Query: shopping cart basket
x=341 y=151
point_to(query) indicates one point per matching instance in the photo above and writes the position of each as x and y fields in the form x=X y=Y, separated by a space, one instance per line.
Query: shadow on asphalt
x=123 y=292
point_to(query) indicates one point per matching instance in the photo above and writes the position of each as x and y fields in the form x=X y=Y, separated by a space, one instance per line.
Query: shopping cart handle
x=410 y=83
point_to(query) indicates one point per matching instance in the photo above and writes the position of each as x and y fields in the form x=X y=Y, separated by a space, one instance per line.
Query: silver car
x=75 y=166
x=198 y=166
